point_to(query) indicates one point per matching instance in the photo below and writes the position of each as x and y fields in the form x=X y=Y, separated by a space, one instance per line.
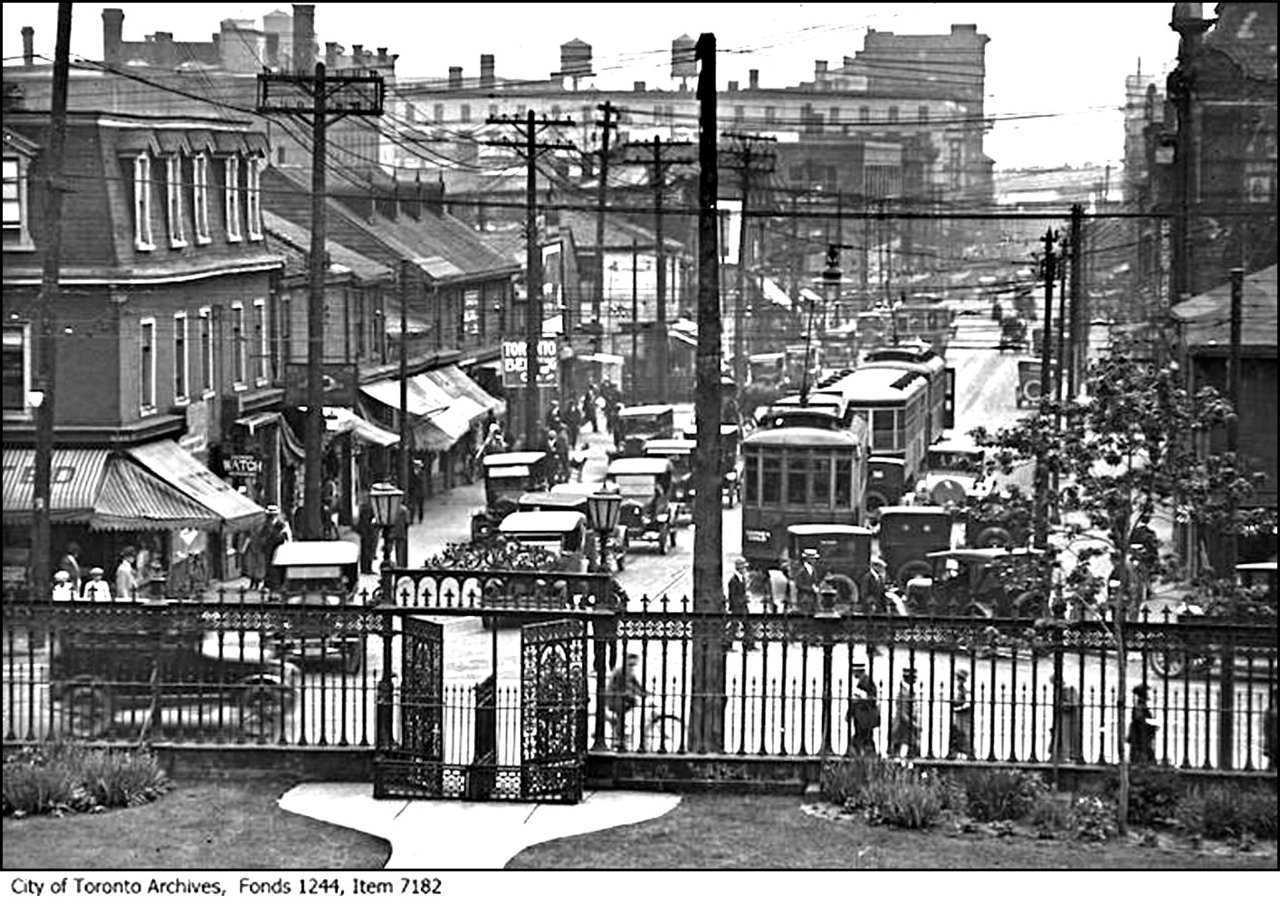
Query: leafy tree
x=1126 y=455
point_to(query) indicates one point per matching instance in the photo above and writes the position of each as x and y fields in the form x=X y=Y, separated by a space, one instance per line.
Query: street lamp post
x=603 y=509
x=386 y=499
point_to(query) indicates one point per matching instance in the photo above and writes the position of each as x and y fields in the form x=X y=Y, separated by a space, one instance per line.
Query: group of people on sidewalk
x=137 y=566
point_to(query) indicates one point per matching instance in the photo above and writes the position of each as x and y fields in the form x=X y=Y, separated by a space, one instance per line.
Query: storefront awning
x=76 y=479
x=440 y=418
x=462 y=403
x=132 y=498
x=339 y=421
x=177 y=467
x=454 y=380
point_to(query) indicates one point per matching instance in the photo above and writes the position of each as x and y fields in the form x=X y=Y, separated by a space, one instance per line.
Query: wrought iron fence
x=244 y=674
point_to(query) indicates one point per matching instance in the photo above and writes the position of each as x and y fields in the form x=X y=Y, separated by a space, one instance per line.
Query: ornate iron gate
x=412 y=766
x=553 y=710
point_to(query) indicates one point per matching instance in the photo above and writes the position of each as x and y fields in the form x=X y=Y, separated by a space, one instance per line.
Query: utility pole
x=1231 y=541
x=635 y=318
x=403 y=425
x=1079 y=347
x=657 y=175
x=753 y=155
x=1041 y=535
x=293 y=94
x=706 y=718
x=606 y=125
x=530 y=146
x=50 y=294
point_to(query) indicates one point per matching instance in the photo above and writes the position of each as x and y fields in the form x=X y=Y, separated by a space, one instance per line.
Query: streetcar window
x=771 y=481
x=882 y=437
x=822 y=481
x=752 y=470
x=844 y=482
x=797 y=470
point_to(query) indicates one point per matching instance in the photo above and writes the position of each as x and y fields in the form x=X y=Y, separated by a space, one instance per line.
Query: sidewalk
x=451 y=834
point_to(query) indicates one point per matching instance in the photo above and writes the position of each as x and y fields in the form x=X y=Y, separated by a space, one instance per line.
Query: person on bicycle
x=624 y=691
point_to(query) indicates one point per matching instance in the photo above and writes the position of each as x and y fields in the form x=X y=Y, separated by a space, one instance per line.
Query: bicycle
x=655 y=732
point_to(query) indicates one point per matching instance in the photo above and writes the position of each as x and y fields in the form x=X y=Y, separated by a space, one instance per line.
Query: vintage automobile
x=981 y=583
x=321 y=573
x=841 y=556
x=1027 y=395
x=637 y=424
x=172 y=674
x=645 y=486
x=679 y=451
x=1013 y=334
x=574 y=496
x=506 y=477
x=955 y=476
x=908 y=535
x=561 y=534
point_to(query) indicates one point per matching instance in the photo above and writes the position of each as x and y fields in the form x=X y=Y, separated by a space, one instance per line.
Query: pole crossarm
x=344 y=94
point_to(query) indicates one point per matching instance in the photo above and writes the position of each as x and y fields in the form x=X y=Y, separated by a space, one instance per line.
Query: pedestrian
x=142 y=562
x=961 y=718
x=417 y=491
x=63 y=589
x=1269 y=731
x=1142 y=731
x=802 y=579
x=904 y=734
x=560 y=447
x=737 y=600
x=400 y=536
x=495 y=441
x=623 y=692
x=367 y=529
x=554 y=419
x=573 y=420
x=70 y=562
x=255 y=561
x=127 y=576
x=865 y=713
x=1068 y=731
x=873 y=586
x=96 y=589
x=278 y=533
x=589 y=413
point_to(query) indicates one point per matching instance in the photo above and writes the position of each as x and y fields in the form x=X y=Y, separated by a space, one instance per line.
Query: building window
x=739 y=113
x=864 y=115
x=770 y=115
x=181 y=378
x=285 y=317
x=16 y=230
x=231 y=201
x=147 y=366
x=200 y=197
x=261 y=352
x=15 y=366
x=438 y=113
x=464 y=114
x=955 y=163
x=923 y=114
x=173 y=196
x=253 y=198
x=893 y=114
x=239 y=345
x=206 y=350
x=833 y=116
x=142 y=203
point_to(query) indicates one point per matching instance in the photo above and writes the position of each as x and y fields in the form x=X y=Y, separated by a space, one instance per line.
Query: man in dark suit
x=873 y=588
x=737 y=599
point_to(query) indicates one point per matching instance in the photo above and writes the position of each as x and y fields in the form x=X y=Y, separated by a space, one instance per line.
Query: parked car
x=637 y=424
x=1013 y=333
x=908 y=535
x=981 y=583
x=645 y=486
x=562 y=534
x=574 y=496
x=506 y=477
x=228 y=679
x=679 y=451
x=321 y=573
x=956 y=476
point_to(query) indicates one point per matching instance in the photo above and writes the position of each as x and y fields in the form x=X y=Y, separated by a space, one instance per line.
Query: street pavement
x=452 y=834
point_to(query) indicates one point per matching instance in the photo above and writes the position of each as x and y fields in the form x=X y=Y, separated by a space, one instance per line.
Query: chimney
x=733 y=85
x=411 y=202
x=331 y=55
x=637 y=86
x=273 y=49
x=433 y=197
x=455 y=77
x=166 y=56
x=486 y=71
x=753 y=79
x=304 y=38
x=28 y=46
x=112 y=35
x=819 y=69
x=382 y=57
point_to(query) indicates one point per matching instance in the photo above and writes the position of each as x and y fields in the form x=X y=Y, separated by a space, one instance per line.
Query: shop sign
x=196 y=440
x=513 y=363
x=337 y=384
x=241 y=465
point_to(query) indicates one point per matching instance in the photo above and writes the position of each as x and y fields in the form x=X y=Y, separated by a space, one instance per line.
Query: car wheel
x=874 y=502
x=917 y=568
x=262 y=709
x=1169 y=663
x=1029 y=606
x=993 y=537
x=87 y=709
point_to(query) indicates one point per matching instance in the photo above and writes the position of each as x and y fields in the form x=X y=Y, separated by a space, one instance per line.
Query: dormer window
x=200 y=197
x=231 y=203
x=17 y=230
x=253 y=198
x=173 y=194
x=142 y=203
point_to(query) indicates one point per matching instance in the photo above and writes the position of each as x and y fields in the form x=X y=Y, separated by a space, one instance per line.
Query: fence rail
x=269 y=674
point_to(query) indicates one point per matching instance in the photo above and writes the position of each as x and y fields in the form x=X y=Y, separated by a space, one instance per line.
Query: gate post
x=383 y=737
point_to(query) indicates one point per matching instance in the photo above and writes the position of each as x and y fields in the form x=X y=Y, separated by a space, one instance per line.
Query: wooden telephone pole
x=610 y=112
x=312 y=99
x=530 y=146
x=751 y=155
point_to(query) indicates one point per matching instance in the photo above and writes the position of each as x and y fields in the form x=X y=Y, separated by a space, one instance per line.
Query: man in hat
x=127 y=576
x=278 y=532
x=866 y=716
x=70 y=562
x=873 y=586
x=802 y=579
x=624 y=691
x=904 y=734
x=961 y=718
x=1142 y=731
x=737 y=599
x=1067 y=732
x=63 y=589
x=95 y=588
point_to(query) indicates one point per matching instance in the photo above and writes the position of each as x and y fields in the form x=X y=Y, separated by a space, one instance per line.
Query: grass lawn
x=206 y=825
x=771 y=832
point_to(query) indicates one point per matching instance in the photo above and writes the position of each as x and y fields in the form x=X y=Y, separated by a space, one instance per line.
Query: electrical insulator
x=832 y=273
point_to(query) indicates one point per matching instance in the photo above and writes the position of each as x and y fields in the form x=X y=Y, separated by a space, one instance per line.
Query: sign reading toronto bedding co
x=513 y=363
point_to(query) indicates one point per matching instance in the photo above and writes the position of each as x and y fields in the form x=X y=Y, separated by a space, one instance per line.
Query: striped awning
x=454 y=380
x=132 y=498
x=439 y=420
x=338 y=420
x=177 y=467
x=76 y=479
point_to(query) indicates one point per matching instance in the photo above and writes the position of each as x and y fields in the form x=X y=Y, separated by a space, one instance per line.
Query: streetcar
x=928 y=319
x=893 y=403
x=799 y=475
x=929 y=364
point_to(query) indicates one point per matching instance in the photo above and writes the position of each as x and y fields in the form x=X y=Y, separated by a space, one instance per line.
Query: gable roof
x=1206 y=318
x=298 y=241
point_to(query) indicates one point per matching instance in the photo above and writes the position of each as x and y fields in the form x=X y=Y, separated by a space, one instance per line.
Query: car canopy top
x=311 y=553
x=541 y=521
x=639 y=466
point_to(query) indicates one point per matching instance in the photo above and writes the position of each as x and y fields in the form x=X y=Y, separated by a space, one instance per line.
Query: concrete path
x=452 y=834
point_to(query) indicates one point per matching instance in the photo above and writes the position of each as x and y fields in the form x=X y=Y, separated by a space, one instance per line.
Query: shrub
x=1222 y=812
x=901 y=797
x=1153 y=795
x=1050 y=815
x=1093 y=819
x=63 y=777
x=1000 y=794
x=843 y=780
